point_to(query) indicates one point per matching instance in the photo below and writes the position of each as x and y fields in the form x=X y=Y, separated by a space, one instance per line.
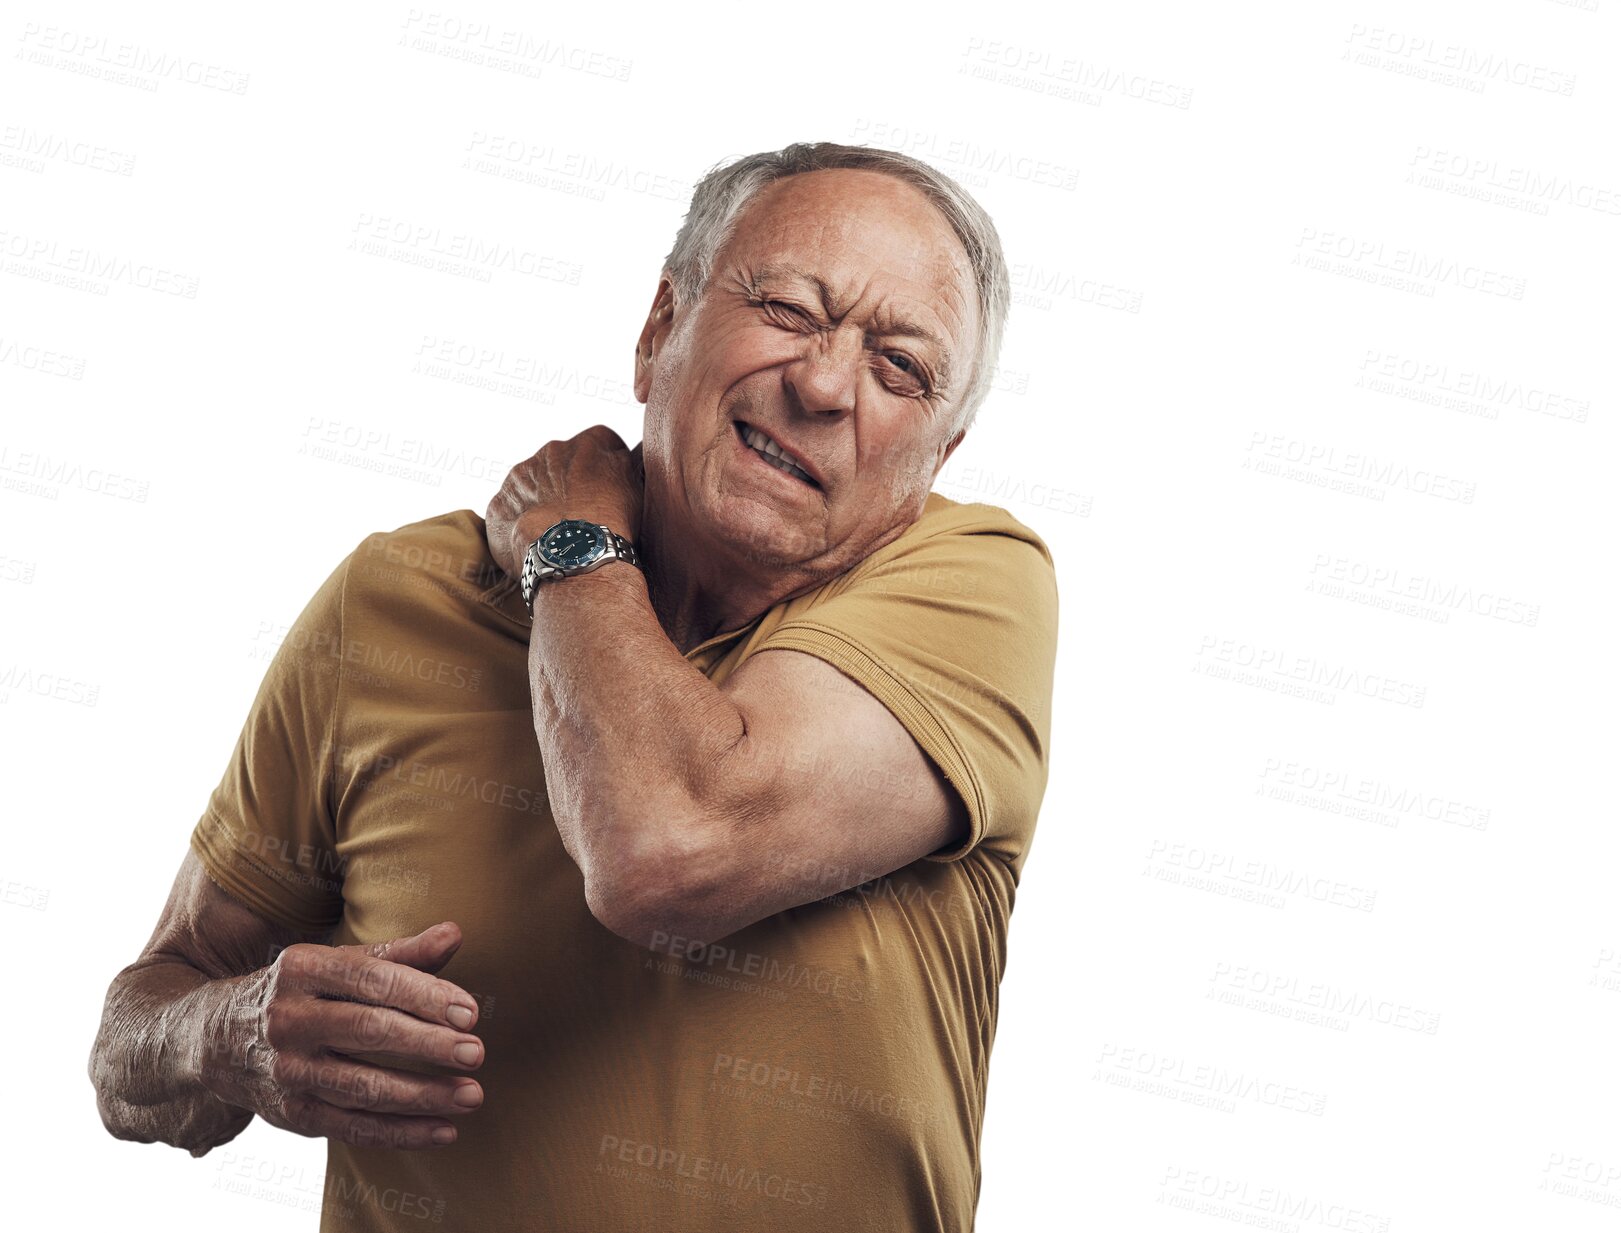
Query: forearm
x=633 y=736
x=150 y=1055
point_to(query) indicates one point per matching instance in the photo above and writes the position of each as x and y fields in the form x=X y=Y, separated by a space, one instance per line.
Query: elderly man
x=713 y=899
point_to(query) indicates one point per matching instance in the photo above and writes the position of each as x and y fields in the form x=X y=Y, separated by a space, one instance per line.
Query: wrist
x=589 y=587
x=220 y=1059
x=572 y=548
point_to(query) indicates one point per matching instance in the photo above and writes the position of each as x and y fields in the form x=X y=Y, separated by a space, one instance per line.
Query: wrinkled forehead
x=852 y=226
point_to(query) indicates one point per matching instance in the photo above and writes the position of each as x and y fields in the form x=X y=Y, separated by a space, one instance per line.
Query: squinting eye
x=785 y=307
x=911 y=369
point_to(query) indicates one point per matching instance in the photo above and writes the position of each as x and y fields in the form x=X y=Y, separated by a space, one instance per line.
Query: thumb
x=427 y=951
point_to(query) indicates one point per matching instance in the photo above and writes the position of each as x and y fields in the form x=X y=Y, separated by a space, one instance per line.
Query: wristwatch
x=572 y=546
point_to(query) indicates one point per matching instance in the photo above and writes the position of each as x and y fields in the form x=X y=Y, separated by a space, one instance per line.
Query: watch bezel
x=599 y=547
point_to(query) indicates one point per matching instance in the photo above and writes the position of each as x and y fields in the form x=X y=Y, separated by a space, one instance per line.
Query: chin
x=757 y=533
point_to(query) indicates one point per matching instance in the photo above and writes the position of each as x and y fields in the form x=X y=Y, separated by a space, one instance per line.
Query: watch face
x=573 y=542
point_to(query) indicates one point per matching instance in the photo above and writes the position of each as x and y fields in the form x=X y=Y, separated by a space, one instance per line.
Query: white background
x=1310 y=387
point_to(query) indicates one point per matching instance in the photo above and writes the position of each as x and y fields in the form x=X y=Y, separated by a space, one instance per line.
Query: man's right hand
x=279 y=1045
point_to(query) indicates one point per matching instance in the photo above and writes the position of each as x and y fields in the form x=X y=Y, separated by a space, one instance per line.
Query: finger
x=427 y=951
x=314 y=1117
x=356 y=1027
x=344 y=973
x=349 y=1084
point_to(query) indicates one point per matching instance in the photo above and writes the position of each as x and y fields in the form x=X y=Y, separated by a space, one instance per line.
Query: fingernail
x=468 y=1095
x=460 y=1016
x=465 y=1053
x=444 y=1134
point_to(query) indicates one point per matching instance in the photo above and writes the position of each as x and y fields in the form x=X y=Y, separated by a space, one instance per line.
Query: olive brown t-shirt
x=823 y=1068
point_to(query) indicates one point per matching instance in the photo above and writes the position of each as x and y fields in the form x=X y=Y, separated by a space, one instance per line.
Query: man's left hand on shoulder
x=592 y=475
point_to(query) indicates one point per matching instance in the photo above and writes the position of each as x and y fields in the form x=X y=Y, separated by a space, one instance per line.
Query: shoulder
x=968 y=547
x=942 y=515
x=959 y=574
x=450 y=546
x=432 y=558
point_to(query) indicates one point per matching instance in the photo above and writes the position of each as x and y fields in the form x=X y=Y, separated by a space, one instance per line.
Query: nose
x=823 y=379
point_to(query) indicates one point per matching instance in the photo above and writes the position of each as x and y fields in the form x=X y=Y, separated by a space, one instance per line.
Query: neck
x=691 y=605
x=698 y=593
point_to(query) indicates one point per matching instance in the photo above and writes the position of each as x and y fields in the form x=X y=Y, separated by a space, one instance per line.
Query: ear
x=951 y=445
x=654 y=331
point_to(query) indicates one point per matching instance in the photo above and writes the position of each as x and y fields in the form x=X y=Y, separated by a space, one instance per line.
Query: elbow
x=671 y=899
x=115 y=1119
x=639 y=919
x=112 y=1104
x=115 y=1111
x=140 y=1107
x=102 y=1075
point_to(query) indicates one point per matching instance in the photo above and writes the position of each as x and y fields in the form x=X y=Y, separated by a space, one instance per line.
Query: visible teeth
x=771 y=452
x=782 y=464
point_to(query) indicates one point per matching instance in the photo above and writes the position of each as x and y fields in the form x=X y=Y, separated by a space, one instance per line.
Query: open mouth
x=770 y=452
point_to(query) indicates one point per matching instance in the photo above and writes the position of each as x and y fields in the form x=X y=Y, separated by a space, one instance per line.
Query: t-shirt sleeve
x=268 y=835
x=956 y=633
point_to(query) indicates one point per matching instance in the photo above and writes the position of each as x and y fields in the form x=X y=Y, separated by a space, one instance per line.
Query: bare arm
x=694 y=810
x=227 y=1014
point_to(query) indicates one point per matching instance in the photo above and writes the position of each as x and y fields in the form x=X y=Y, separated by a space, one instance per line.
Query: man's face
x=862 y=390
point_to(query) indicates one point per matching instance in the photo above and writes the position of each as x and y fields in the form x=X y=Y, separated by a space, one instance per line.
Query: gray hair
x=719 y=197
